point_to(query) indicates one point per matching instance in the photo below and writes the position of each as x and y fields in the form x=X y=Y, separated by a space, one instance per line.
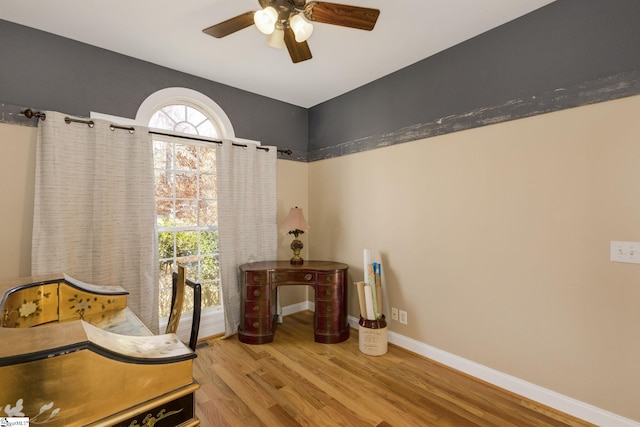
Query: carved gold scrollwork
x=149 y=420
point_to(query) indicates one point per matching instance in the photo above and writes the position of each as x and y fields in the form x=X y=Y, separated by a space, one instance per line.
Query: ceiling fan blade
x=298 y=51
x=230 y=25
x=362 y=18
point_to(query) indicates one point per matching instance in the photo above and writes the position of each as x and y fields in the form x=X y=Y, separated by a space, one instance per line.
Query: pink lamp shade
x=295 y=220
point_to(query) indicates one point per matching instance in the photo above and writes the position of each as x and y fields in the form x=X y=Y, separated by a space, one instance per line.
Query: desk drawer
x=329 y=278
x=257 y=293
x=332 y=292
x=328 y=307
x=256 y=277
x=257 y=325
x=256 y=308
x=328 y=324
x=293 y=277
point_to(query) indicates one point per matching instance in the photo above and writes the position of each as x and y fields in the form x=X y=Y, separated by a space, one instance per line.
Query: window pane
x=209 y=244
x=186 y=185
x=166 y=242
x=184 y=119
x=207 y=129
x=207 y=160
x=194 y=116
x=165 y=212
x=186 y=157
x=165 y=296
x=210 y=269
x=208 y=213
x=186 y=243
x=211 y=294
x=161 y=120
x=177 y=113
x=164 y=184
x=187 y=213
x=208 y=187
x=161 y=155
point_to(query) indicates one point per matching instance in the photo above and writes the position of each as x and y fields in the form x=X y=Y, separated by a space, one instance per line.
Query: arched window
x=184 y=118
x=186 y=194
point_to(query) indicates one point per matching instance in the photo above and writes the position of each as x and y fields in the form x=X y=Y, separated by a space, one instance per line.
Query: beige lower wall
x=17 y=169
x=496 y=242
x=292 y=190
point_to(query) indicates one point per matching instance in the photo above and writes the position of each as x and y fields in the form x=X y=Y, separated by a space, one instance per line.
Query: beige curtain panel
x=94 y=210
x=247 y=218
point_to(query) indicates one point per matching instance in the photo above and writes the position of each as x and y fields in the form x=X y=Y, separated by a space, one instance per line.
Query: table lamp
x=296 y=224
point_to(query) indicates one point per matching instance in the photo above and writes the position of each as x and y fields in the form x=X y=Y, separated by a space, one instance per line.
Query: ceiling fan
x=287 y=22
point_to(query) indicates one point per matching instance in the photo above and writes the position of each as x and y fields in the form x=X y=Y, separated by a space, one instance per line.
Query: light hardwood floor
x=297 y=382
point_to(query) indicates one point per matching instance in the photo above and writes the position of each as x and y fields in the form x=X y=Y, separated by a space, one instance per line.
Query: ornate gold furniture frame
x=74 y=354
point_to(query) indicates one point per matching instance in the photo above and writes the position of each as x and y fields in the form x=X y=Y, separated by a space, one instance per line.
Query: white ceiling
x=169 y=33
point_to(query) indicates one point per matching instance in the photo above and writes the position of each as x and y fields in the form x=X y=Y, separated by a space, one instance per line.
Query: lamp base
x=296 y=246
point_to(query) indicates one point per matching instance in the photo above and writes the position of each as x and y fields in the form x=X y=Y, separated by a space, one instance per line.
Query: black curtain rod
x=235 y=144
x=29 y=113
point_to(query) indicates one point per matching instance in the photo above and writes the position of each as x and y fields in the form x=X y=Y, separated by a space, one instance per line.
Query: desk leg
x=278 y=306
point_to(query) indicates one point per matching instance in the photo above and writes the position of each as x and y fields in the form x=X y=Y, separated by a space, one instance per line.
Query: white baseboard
x=294 y=308
x=539 y=394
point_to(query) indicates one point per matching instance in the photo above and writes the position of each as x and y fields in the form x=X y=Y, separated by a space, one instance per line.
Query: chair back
x=177 y=300
x=180 y=282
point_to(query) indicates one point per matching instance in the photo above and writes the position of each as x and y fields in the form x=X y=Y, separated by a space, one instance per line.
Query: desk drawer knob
x=256 y=308
x=256 y=324
x=308 y=277
x=328 y=292
x=330 y=279
x=328 y=309
x=256 y=293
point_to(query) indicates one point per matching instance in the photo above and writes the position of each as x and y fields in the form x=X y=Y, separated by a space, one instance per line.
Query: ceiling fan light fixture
x=301 y=28
x=276 y=39
x=266 y=19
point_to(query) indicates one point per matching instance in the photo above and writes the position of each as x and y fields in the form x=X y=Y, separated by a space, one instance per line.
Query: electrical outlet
x=403 y=317
x=625 y=252
x=394 y=314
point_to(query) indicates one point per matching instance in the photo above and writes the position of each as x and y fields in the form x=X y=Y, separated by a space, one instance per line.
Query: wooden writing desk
x=260 y=281
x=74 y=354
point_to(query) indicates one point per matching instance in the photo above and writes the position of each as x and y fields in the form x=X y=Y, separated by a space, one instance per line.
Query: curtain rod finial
x=29 y=114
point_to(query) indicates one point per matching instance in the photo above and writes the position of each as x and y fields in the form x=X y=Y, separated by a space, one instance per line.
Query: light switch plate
x=625 y=252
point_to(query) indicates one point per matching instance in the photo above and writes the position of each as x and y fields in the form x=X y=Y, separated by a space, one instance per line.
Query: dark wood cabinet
x=260 y=282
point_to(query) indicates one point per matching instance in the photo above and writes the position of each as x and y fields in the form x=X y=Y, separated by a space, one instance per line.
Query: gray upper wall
x=566 y=54
x=48 y=72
